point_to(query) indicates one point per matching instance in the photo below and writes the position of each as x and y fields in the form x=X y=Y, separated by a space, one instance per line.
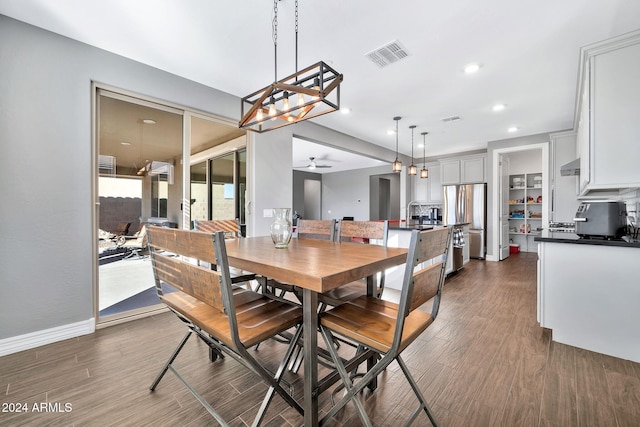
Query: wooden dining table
x=314 y=266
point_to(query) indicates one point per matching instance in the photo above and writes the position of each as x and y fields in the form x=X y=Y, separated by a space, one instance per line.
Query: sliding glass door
x=141 y=180
x=139 y=149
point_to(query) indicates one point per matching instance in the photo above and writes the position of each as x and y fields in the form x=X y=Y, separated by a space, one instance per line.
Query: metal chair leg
x=348 y=384
x=418 y=393
x=170 y=361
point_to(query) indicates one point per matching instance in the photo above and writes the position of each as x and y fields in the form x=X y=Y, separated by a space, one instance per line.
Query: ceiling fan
x=312 y=164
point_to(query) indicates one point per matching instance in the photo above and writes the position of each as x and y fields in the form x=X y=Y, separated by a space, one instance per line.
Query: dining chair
x=365 y=232
x=306 y=229
x=227 y=321
x=387 y=328
x=323 y=229
x=231 y=230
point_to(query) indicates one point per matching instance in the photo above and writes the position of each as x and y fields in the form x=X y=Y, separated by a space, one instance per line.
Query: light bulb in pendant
x=300 y=100
x=285 y=102
x=260 y=114
x=272 y=109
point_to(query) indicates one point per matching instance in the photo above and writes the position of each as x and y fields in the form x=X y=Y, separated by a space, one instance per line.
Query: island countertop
x=572 y=238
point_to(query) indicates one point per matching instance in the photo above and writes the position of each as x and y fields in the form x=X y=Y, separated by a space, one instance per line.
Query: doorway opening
x=521 y=198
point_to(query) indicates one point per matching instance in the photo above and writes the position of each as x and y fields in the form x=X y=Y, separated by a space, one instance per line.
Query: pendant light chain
x=274 y=33
x=296 y=36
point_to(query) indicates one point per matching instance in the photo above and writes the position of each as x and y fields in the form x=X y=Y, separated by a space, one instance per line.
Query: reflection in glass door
x=223 y=191
x=218 y=187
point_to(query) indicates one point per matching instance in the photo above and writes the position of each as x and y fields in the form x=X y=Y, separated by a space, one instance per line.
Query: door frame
x=152 y=102
x=495 y=191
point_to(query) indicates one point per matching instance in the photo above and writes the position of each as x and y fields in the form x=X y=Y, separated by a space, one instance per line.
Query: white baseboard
x=492 y=258
x=47 y=336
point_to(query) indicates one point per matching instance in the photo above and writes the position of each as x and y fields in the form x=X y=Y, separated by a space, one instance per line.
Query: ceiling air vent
x=387 y=54
x=451 y=119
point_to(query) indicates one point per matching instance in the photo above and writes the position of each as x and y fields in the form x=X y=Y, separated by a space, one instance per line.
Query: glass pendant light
x=413 y=170
x=397 y=165
x=424 y=172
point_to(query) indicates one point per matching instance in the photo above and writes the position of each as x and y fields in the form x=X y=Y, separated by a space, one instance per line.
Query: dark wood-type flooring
x=484 y=362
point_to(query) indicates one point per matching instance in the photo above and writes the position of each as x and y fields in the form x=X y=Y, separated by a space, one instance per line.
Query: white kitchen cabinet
x=428 y=189
x=472 y=170
x=434 y=184
x=588 y=295
x=463 y=170
x=450 y=172
x=607 y=116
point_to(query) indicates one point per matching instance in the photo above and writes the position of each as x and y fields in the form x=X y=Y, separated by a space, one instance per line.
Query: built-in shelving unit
x=525 y=209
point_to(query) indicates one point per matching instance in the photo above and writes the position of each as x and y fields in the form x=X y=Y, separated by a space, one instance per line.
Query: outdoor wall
x=114 y=210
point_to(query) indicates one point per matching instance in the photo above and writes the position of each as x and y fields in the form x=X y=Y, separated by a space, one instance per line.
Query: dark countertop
x=558 y=237
x=426 y=225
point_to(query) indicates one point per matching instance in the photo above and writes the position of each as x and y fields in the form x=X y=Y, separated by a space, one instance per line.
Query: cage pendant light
x=413 y=170
x=424 y=172
x=308 y=93
x=397 y=165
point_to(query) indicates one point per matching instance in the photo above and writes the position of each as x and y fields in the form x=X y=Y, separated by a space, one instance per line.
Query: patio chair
x=227 y=321
x=386 y=328
x=137 y=244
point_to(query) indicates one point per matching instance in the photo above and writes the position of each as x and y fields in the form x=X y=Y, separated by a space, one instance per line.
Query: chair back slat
x=196 y=245
x=420 y=286
x=201 y=283
x=378 y=230
x=323 y=229
x=434 y=245
x=173 y=253
x=229 y=226
x=425 y=285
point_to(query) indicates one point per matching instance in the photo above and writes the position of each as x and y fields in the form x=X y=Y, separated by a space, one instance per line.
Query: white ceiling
x=528 y=53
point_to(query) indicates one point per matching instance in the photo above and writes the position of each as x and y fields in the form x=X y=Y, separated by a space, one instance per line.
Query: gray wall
x=298 y=189
x=46 y=231
x=347 y=193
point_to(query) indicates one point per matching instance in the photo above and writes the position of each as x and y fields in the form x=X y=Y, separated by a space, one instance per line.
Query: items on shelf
x=535 y=215
x=539 y=199
x=516 y=201
x=517 y=214
x=525 y=229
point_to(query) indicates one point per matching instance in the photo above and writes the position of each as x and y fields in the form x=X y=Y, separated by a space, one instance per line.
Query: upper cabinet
x=428 y=189
x=463 y=170
x=607 y=118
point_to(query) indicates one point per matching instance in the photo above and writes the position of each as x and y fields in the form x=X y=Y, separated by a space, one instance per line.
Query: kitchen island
x=589 y=293
x=400 y=235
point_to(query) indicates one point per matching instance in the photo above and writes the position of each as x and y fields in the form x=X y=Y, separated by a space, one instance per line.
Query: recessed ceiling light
x=512 y=129
x=499 y=107
x=471 y=68
x=345 y=110
x=125 y=143
x=149 y=121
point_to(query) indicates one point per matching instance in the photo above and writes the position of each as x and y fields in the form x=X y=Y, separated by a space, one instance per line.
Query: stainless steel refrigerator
x=467 y=203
